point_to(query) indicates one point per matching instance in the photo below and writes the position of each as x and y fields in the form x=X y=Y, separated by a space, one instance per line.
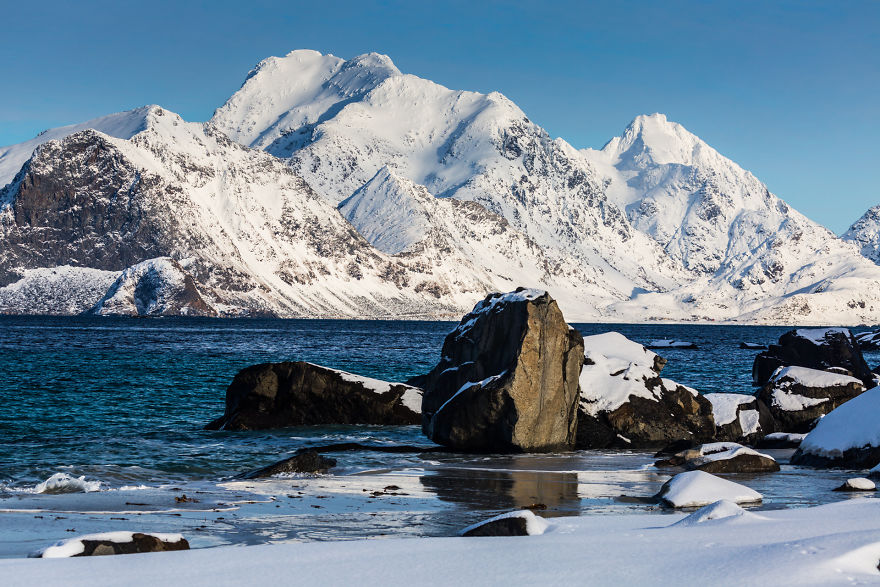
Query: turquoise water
x=123 y=401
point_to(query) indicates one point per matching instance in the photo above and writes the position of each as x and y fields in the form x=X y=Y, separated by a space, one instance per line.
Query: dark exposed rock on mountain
x=305 y=461
x=624 y=401
x=276 y=395
x=507 y=380
x=797 y=397
x=814 y=348
x=155 y=287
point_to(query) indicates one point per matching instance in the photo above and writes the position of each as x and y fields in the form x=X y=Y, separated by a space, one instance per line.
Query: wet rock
x=277 y=395
x=722 y=457
x=625 y=403
x=307 y=461
x=508 y=378
x=755 y=346
x=797 y=397
x=814 y=348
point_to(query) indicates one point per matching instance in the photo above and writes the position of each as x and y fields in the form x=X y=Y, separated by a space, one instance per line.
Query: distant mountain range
x=334 y=188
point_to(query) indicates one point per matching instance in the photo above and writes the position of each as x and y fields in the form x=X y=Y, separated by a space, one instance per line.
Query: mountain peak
x=652 y=138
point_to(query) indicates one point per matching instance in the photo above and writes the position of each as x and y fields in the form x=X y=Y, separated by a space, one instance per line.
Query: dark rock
x=753 y=346
x=721 y=457
x=797 y=397
x=812 y=348
x=307 y=461
x=139 y=543
x=854 y=458
x=780 y=440
x=676 y=447
x=508 y=378
x=869 y=340
x=752 y=418
x=506 y=525
x=277 y=395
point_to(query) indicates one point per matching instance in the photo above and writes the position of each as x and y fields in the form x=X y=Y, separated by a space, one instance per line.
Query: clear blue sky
x=789 y=90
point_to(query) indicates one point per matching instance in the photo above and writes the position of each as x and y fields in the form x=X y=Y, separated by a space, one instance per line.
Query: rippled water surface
x=123 y=402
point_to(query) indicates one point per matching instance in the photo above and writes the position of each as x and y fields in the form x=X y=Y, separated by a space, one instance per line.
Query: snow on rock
x=849 y=436
x=154 y=287
x=725 y=406
x=788 y=376
x=623 y=396
x=722 y=509
x=865 y=234
x=739 y=417
x=857 y=484
x=519 y=523
x=66 y=483
x=782 y=440
x=729 y=457
x=411 y=398
x=697 y=489
x=120 y=542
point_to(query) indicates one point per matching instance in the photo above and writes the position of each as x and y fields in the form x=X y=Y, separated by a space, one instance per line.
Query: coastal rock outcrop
x=814 y=348
x=797 y=397
x=521 y=523
x=848 y=437
x=276 y=395
x=740 y=417
x=507 y=380
x=624 y=401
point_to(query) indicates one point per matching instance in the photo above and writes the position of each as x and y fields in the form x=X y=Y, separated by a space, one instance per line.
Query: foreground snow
x=833 y=544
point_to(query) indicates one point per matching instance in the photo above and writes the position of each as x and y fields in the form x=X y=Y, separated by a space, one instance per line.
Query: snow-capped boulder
x=847 y=437
x=723 y=457
x=869 y=340
x=157 y=287
x=113 y=543
x=507 y=380
x=625 y=402
x=857 y=484
x=277 y=395
x=519 y=523
x=781 y=440
x=797 y=397
x=814 y=348
x=753 y=346
x=304 y=461
x=739 y=417
x=697 y=488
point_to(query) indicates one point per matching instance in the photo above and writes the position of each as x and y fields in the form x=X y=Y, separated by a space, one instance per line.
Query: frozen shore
x=832 y=544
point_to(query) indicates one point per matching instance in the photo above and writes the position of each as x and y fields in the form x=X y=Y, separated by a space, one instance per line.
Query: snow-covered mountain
x=351 y=189
x=865 y=234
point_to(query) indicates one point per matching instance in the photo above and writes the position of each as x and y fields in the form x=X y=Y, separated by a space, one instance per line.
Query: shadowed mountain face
x=442 y=196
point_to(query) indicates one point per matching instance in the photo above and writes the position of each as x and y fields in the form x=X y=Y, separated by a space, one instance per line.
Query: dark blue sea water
x=123 y=401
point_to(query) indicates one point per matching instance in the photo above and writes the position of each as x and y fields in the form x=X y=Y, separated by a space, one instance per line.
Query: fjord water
x=123 y=402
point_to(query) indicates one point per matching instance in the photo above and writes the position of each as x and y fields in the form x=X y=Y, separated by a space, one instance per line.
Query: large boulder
x=304 y=461
x=277 y=395
x=697 y=489
x=740 y=417
x=625 y=403
x=814 y=348
x=848 y=437
x=507 y=380
x=797 y=397
x=521 y=523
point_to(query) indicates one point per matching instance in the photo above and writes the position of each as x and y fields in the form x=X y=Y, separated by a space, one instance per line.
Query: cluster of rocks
x=515 y=377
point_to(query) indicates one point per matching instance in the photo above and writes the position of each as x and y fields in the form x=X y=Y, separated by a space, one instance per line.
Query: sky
x=789 y=90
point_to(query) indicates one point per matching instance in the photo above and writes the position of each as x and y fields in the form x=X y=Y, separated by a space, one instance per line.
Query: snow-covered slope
x=123 y=125
x=865 y=234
